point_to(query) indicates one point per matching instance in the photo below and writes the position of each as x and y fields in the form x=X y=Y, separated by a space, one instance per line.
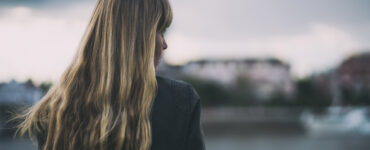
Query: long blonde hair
x=104 y=98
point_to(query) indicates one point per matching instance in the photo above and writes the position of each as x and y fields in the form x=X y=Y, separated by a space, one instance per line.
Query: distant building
x=268 y=76
x=354 y=72
x=15 y=92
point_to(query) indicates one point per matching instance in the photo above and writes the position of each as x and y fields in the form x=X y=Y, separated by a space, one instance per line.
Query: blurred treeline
x=308 y=94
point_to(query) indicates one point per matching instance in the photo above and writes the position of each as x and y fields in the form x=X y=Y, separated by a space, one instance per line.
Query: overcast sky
x=39 y=37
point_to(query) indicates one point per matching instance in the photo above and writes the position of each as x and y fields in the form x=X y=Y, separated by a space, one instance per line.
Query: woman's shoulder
x=183 y=92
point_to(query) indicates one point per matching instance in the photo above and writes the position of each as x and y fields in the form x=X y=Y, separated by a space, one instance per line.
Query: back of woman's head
x=104 y=98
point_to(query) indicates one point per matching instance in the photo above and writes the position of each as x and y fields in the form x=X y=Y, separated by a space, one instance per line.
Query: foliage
x=241 y=94
x=310 y=95
x=355 y=97
x=45 y=86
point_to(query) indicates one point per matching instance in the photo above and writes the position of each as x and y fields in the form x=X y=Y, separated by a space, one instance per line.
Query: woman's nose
x=164 y=45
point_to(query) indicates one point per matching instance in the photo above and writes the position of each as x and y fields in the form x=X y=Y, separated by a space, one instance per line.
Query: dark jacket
x=175 y=117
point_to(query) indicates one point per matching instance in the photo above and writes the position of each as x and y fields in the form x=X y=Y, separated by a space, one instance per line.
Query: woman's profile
x=109 y=97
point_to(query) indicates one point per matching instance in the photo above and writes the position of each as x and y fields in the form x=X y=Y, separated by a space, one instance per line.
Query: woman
x=110 y=97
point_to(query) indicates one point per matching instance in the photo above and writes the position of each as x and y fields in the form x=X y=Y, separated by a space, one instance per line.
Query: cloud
x=321 y=47
x=35 y=45
x=38 y=2
x=40 y=37
x=237 y=19
x=312 y=35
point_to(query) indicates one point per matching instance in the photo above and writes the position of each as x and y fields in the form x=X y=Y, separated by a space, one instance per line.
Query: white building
x=268 y=76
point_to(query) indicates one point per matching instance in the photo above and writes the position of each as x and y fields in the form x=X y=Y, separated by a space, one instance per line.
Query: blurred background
x=272 y=74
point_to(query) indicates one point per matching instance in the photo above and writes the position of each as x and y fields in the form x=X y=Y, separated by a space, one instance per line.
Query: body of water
x=260 y=128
